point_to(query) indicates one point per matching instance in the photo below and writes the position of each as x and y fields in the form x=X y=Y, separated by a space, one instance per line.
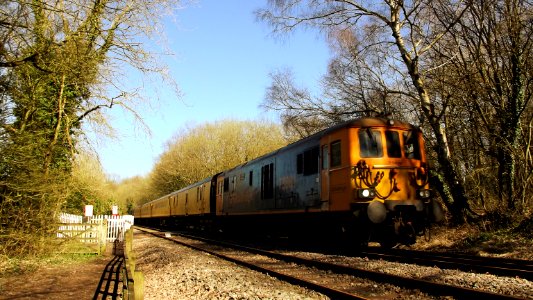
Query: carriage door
x=220 y=203
x=324 y=173
x=186 y=203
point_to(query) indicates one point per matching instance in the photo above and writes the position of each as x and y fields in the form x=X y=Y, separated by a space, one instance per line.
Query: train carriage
x=365 y=178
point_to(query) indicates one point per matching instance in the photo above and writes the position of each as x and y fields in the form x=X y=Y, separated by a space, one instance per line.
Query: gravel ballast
x=177 y=272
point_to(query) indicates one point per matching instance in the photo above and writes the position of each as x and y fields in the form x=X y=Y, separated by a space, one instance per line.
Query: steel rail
x=424 y=285
x=485 y=259
x=495 y=266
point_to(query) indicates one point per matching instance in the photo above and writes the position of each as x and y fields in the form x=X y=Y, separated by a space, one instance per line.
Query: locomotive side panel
x=297 y=184
x=336 y=170
x=285 y=181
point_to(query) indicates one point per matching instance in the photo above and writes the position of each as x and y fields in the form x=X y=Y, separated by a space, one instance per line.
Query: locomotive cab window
x=411 y=145
x=394 y=148
x=370 y=143
x=336 y=154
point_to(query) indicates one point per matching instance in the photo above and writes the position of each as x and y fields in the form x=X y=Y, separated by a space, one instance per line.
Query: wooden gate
x=110 y=228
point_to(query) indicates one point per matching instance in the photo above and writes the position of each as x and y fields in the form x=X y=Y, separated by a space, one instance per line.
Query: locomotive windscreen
x=411 y=145
x=370 y=143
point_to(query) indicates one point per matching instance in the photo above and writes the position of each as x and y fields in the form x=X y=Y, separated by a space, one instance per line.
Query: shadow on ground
x=110 y=285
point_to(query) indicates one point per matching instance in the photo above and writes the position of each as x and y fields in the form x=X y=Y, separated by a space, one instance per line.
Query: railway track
x=302 y=271
x=468 y=263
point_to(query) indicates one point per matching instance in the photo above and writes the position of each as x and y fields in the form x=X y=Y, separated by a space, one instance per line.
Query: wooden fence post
x=138 y=278
x=102 y=235
x=133 y=281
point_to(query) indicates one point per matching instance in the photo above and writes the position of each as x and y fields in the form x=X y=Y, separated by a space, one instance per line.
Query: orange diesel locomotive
x=362 y=180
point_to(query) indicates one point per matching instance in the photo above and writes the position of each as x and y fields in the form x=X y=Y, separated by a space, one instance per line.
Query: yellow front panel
x=394 y=178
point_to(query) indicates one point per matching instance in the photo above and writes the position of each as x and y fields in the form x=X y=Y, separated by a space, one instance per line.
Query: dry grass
x=471 y=239
x=65 y=254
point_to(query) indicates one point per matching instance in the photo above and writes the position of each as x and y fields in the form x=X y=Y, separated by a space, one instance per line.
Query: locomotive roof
x=354 y=123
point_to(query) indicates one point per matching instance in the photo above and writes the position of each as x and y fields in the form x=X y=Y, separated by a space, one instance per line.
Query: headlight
x=367 y=193
x=424 y=194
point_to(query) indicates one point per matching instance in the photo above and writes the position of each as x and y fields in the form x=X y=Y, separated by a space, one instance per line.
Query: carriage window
x=394 y=148
x=370 y=143
x=267 y=181
x=220 y=187
x=300 y=163
x=336 y=154
x=311 y=161
x=251 y=178
x=307 y=163
x=325 y=157
x=411 y=145
x=226 y=184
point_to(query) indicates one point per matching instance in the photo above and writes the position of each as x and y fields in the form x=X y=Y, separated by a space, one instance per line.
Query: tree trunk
x=60 y=107
x=451 y=178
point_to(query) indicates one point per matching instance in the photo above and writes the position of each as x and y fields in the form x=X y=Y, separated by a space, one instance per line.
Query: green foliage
x=29 y=211
x=131 y=192
x=17 y=265
x=525 y=228
x=54 y=62
x=90 y=186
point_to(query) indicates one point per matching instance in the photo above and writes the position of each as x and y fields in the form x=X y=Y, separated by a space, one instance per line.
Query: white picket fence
x=116 y=225
x=68 y=218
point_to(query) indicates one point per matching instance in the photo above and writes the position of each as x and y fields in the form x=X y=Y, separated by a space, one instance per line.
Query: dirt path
x=71 y=281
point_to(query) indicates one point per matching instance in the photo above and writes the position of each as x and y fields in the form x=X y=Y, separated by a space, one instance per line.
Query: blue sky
x=222 y=60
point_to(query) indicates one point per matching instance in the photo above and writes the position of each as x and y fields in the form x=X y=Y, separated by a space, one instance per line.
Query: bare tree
x=302 y=113
x=407 y=33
